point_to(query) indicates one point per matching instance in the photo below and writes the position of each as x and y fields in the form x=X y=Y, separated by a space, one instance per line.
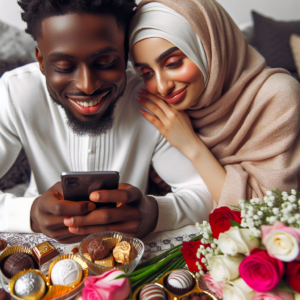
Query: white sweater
x=29 y=117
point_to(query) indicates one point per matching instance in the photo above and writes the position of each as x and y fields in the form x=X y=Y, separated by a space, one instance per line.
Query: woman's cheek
x=189 y=73
x=151 y=86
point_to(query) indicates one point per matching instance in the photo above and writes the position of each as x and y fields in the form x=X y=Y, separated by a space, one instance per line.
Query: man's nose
x=164 y=84
x=87 y=81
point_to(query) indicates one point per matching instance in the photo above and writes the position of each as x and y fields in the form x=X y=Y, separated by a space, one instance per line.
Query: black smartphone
x=77 y=186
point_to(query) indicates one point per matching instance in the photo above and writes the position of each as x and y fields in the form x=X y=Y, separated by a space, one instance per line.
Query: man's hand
x=49 y=211
x=136 y=214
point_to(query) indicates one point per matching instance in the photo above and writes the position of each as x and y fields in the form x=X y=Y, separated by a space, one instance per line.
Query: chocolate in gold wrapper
x=111 y=242
x=44 y=252
x=124 y=253
x=106 y=262
x=29 y=285
x=57 y=291
x=171 y=296
x=3 y=244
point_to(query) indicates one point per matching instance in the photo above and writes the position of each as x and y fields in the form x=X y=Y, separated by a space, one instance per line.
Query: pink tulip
x=106 y=287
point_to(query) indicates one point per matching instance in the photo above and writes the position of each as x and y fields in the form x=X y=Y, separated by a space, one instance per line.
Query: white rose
x=224 y=268
x=297 y=296
x=237 y=290
x=237 y=240
x=282 y=245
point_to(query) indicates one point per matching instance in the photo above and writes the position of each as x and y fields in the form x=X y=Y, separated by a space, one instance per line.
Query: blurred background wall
x=238 y=9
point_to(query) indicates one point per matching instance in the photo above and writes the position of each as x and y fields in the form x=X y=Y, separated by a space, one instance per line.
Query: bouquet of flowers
x=251 y=251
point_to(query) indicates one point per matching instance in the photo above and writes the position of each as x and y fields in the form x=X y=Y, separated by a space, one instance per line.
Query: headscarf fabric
x=249 y=114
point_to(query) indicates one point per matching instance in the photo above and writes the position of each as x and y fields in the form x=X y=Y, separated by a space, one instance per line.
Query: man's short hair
x=35 y=11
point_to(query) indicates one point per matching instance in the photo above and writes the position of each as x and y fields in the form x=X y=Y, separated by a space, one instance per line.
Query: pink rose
x=275 y=295
x=106 y=287
x=281 y=242
x=260 y=271
x=214 y=286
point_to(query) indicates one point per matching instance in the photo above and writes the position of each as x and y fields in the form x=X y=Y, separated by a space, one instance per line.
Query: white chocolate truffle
x=66 y=272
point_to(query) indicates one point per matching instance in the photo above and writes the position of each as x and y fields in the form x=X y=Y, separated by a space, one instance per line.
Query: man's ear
x=39 y=57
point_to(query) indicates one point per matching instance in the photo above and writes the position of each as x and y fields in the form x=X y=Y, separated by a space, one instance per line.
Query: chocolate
x=111 y=242
x=180 y=282
x=30 y=286
x=152 y=291
x=75 y=249
x=66 y=272
x=44 y=252
x=106 y=262
x=197 y=296
x=124 y=253
x=4 y=295
x=98 y=249
x=17 y=262
x=3 y=244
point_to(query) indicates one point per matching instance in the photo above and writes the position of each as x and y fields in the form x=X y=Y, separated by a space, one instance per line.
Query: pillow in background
x=272 y=40
x=295 y=47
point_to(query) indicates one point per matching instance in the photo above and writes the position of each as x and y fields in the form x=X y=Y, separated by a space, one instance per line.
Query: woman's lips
x=176 y=96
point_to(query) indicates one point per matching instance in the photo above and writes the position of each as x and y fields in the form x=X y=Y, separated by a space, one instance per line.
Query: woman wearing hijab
x=214 y=99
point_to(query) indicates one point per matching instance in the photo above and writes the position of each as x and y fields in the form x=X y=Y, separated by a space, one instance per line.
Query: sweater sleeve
x=190 y=201
x=14 y=211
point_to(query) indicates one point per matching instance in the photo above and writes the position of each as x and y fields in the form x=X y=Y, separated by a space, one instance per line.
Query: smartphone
x=77 y=186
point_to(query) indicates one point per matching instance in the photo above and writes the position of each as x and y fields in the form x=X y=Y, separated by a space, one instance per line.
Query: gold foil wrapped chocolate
x=87 y=256
x=124 y=253
x=111 y=242
x=106 y=262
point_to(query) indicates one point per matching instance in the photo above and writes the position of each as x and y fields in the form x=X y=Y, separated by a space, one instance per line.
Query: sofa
x=270 y=37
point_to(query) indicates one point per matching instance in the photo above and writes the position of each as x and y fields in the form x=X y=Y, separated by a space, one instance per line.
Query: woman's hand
x=174 y=125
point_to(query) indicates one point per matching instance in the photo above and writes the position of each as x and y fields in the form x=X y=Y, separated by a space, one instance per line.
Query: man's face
x=82 y=58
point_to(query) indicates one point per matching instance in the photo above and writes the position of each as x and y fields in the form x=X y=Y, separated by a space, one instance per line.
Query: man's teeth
x=91 y=103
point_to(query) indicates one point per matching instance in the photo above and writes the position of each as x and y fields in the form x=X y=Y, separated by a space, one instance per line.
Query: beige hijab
x=248 y=115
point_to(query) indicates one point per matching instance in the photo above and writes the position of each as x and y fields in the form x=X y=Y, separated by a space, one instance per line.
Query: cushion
x=295 y=47
x=16 y=49
x=272 y=40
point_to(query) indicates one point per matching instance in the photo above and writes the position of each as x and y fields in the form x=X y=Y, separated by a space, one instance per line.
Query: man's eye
x=63 y=70
x=104 y=65
x=175 y=64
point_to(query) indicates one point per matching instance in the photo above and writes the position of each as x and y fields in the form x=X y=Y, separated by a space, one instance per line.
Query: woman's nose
x=87 y=81
x=164 y=84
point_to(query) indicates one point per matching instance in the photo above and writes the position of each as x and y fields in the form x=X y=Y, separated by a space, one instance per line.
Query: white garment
x=29 y=117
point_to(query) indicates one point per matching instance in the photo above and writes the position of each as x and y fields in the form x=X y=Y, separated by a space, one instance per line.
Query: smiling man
x=75 y=110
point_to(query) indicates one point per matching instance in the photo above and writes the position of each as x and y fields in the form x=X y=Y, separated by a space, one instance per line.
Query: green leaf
x=234 y=223
x=283 y=286
x=121 y=276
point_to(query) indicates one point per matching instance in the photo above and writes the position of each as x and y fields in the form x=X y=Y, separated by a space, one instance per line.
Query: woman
x=214 y=99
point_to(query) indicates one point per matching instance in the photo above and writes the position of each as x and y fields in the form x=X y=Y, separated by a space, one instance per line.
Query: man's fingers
x=104 y=216
x=65 y=208
x=125 y=194
x=129 y=228
x=72 y=239
x=59 y=234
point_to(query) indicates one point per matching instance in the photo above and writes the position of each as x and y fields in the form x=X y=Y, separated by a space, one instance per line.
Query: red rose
x=189 y=251
x=260 y=271
x=219 y=220
x=293 y=275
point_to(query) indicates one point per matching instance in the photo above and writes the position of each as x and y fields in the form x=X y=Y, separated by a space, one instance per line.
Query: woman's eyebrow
x=165 y=54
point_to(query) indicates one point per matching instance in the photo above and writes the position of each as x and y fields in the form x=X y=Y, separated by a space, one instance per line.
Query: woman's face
x=167 y=72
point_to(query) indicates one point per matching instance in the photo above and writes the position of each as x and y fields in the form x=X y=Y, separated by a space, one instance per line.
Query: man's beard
x=92 y=127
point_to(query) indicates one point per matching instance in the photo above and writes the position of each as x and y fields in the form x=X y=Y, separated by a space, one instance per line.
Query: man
x=75 y=110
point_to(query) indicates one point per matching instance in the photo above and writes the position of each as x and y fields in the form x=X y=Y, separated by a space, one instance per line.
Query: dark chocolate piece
x=17 y=262
x=152 y=291
x=30 y=286
x=4 y=295
x=197 y=296
x=98 y=249
x=180 y=282
x=44 y=252
x=3 y=244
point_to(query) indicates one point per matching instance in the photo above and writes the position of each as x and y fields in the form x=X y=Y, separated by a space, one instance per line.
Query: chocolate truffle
x=180 y=282
x=152 y=291
x=197 y=296
x=17 y=262
x=30 y=286
x=3 y=244
x=4 y=295
x=66 y=272
x=98 y=249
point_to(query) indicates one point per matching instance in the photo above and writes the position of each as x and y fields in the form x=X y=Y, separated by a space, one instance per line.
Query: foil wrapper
x=35 y=293
x=124 y=253
x=106 y=262
x=76 y=258
x=57 y=291
x=171 y=296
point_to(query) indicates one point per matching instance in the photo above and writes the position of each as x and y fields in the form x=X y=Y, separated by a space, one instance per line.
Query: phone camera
x=73 y=182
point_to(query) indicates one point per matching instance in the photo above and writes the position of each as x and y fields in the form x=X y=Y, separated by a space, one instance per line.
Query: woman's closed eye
x=174 y=64
x=146 y=73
